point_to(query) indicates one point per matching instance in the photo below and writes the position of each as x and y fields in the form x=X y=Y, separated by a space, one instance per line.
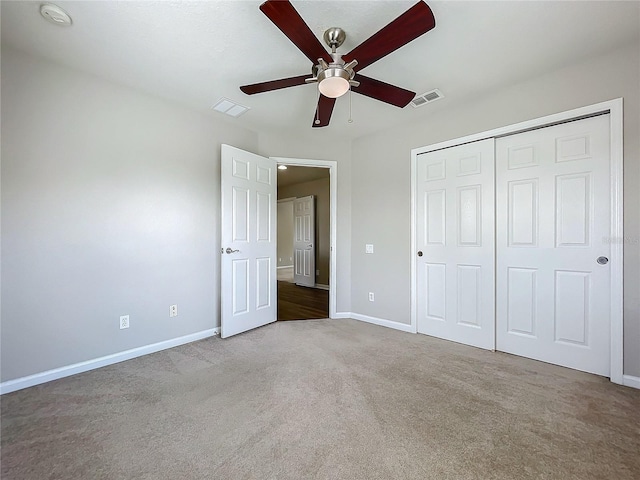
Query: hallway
x=297 y=303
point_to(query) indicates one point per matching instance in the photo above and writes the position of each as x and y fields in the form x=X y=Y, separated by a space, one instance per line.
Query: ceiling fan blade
x=289 y=21
x=323 y=111
x=384 y=92
x=410 y=25
x=274 y=84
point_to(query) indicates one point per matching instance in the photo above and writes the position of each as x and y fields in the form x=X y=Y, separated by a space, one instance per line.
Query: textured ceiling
x=196 y=52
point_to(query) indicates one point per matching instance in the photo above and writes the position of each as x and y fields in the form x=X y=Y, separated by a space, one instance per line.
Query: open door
x=304 y=241
x=248 y=277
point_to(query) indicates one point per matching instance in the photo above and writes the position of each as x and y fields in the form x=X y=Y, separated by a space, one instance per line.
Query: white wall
x=381 y=163
x=320 y=146
x=110 y=206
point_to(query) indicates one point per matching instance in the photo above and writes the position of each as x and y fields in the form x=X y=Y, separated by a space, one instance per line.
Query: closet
x=512 y=237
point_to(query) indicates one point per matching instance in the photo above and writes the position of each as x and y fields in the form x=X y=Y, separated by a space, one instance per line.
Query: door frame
x=332 y=165
x=615 y=109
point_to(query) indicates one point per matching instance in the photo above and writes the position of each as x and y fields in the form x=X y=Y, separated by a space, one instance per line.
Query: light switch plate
x=368 y=248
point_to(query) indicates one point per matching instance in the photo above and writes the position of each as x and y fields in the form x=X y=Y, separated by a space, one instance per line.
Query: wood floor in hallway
x=301 y=303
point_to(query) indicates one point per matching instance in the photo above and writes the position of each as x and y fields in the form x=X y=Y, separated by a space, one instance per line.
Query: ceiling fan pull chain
x=317 y=120
x=350 y=119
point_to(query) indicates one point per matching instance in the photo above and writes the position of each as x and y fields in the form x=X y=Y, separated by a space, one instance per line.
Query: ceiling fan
x=336 y=73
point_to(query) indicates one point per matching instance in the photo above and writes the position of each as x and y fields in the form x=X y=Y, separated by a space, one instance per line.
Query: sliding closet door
x=553 y=219
x=455 y=241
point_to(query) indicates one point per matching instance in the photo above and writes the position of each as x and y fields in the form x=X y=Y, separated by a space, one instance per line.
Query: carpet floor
x=323 y=399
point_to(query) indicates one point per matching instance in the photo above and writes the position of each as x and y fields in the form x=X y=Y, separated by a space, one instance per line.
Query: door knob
x=419 y=253
x=309 y=246
x=602 y=260
x=231 y=251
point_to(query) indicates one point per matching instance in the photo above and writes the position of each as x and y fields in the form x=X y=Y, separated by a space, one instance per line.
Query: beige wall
x=110 y=206
x=381 y=163
x=320 y=189
x=96 y=226
x=285 y=233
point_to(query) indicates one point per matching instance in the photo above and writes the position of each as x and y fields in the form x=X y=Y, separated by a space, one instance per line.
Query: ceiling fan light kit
x=334 y=79
x=335 y=73
x=333 y=82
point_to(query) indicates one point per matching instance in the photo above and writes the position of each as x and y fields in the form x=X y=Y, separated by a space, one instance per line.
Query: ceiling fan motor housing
x=335 y=77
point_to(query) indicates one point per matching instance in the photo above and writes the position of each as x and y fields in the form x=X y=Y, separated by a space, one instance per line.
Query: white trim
x=332 y=165
x=322 y=286
x=614 y=108
x=616 y=252
x=413 y=252
x=382 y=322
x=284 y=266
x=285 y=200
x=341 y=315
x=631 y=381
x=561 y=117
x=50 y=375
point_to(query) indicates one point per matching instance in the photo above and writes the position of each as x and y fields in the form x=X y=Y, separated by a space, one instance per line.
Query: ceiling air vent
x=224 y=105
x=427 y=97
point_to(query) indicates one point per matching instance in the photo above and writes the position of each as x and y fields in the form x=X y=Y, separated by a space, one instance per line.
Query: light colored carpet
x=323 y=399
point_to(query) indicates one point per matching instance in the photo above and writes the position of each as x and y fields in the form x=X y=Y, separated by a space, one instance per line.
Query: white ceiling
x=196 y=52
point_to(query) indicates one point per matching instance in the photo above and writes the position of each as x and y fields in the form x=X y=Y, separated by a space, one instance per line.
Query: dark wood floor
x=301 y=303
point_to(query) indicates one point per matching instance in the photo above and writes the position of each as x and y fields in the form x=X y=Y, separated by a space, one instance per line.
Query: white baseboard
x=380 y=321
x=339 y=315
x=43 y=377
x=284 y=266
x=322 y=286
x=631 y=381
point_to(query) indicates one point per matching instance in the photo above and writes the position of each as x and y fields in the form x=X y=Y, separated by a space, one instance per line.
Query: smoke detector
x=55 y=15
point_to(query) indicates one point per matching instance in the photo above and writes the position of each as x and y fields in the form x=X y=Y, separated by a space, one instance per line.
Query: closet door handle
x=419 y=253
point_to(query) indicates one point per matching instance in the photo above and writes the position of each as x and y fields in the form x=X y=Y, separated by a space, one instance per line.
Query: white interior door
x=304 y=241
x=248 y=291
x=455 y=237
x=553 y=219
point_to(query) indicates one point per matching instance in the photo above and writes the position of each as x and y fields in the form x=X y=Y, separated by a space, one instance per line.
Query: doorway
x=304 y=241
x=248 y=200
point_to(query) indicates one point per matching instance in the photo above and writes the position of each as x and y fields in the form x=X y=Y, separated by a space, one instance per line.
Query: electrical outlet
x=368 y=248
x=173 y=311
x=124 y=321
x=371 y=297
x=317 y=273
